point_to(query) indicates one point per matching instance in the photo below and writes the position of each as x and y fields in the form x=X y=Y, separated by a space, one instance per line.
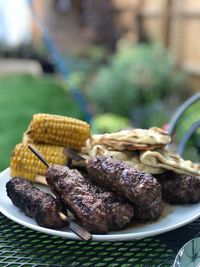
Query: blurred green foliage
x=20 y=97
x=190 y=116
x=153 y=114
x=109 y=123
x=134 y=78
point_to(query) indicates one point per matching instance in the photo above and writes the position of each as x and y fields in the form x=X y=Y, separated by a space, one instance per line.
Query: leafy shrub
x=188 y=118
x=109 y=123
x=155 y=114
x=136 y=76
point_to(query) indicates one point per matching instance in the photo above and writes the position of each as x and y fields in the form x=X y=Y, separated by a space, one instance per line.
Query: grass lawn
x=20 y=98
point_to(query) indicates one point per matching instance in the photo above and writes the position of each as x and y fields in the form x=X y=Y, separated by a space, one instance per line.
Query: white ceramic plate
x=173 y=217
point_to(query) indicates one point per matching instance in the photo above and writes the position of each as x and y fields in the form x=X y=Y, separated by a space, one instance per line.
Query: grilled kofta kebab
x=41 y=206
x=179 y=188
x=140 y=188
x=96 y=209
x=88 y=205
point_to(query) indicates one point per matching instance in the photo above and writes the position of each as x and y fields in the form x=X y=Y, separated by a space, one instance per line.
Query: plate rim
x=106 y=237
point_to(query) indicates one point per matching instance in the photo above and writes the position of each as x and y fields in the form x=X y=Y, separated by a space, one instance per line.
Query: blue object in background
x=61 y=67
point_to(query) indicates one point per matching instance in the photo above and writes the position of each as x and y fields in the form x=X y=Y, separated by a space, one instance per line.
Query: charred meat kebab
x=96 y=209
x=140 y=188
x=179 y=188
x=41 y=206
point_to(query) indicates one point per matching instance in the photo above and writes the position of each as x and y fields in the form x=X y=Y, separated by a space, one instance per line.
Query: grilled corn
x=26 y=165
x=58 y=130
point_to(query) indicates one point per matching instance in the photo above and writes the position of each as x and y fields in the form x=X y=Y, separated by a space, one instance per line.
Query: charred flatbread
x=169 y=160
x=131 y=157
x=135 y=139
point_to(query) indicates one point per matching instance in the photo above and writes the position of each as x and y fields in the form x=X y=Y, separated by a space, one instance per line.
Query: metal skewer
x=73 y=155
x=73 y=226
x=38 y=154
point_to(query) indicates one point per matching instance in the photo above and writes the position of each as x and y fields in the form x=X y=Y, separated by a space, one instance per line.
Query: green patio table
x=23 y=247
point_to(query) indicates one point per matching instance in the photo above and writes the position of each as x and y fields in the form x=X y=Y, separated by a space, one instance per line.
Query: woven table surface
x=23 y=247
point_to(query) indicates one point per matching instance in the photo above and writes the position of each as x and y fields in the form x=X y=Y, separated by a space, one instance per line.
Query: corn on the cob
x=26 y=165
x=58 y=130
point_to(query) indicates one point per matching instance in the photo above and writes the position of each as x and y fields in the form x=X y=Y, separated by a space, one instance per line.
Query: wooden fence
x=176 y=23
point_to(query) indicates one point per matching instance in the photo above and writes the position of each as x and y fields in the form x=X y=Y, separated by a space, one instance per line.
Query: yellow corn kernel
x=26 y=165
x=58 y=130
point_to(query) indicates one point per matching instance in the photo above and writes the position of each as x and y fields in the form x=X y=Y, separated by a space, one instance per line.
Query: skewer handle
x=73 y=155
x=77 y=229
x=80 y=231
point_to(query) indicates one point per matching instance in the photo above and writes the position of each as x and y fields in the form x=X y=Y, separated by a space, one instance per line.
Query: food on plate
x=114 y=178
x=180 y=188
x=25 y=164
x=168 y=160
x=98 y=210
x=58 y=130
x=41 y=206
x=138 y=187
x=152 y=161
x=134 y=139
x=131 y=157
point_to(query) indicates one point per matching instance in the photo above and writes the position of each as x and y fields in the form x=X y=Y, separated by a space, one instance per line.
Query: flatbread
x=135 y=139
x=130 y=157
x=168 y=160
